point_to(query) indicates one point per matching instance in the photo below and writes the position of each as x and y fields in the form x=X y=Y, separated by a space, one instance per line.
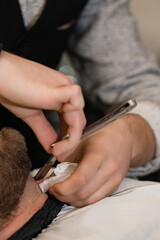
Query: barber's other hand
x=27 y=87
x=104 y=159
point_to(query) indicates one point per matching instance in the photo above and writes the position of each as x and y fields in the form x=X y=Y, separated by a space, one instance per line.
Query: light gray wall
x=148 y=14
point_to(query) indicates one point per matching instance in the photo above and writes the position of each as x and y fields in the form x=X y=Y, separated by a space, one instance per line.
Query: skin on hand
x=104 y=159
x=27 y=87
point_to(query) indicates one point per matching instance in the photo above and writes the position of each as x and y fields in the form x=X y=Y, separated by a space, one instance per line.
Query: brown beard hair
x=15 y=167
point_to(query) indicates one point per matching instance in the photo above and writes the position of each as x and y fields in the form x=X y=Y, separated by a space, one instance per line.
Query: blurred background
x=147 y=13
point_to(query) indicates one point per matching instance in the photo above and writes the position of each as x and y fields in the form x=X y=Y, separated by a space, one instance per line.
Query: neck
x=25 y=212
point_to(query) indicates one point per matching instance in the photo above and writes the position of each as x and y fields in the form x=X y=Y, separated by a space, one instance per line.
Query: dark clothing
x=43 y=43
x=39 y=221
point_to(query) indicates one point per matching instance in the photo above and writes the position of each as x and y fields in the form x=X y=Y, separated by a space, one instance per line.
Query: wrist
x=142 y=140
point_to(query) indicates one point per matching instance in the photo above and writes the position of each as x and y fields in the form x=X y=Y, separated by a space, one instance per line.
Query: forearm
x=143 y=144
x=150 y=112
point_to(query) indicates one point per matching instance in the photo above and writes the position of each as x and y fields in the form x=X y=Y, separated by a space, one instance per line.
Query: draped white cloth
x=131 y=213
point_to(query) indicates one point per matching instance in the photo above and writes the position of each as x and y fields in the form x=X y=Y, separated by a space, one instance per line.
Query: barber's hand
x=27 y=87
x=104 y=159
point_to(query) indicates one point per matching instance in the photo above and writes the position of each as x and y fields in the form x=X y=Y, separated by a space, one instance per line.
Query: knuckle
x=68 y=81
x=90 y=201
x=84 y=121
x=81 y=195
x=82 y=179
x=77 y=89
x=77 y=96
x=115 y=165
x=101 y=144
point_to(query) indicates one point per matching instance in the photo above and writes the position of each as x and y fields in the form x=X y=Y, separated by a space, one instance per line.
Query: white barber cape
x=131 y=213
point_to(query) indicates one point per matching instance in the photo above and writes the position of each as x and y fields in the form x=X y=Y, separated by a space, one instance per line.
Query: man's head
x=14 y=171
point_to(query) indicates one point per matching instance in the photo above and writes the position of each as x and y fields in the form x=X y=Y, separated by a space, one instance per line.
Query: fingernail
x=66 y=136
x=63 y=138
x=52 y=145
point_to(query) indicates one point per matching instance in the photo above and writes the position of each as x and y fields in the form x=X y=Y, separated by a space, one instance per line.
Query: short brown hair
x=15 y=166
